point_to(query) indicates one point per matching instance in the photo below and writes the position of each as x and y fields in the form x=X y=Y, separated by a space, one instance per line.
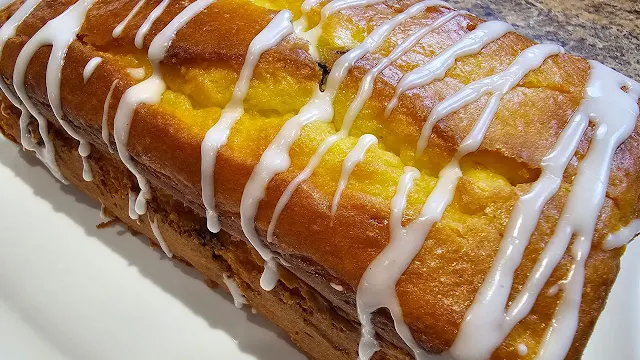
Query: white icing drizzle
x=522 y=349
x=132 y=206
x=622 y=237
x=87 y=173
x=238 y=297
x=146 y=25
x=366 y=85
x=279 y=28
x=276 y=157
x=118 y=29
x=59 y=33
x=156 y=232
x=334 y=6
x=90 y=68
x=136 y=73
x=103 y=213
x=105 y=116
x=337 y=287
x=497 y=84
x=149 y=92
x=353 y=158
x=378 y=286
x=614 y=114
x=45 y=153
x=407 y=241
x=300 y=24
x=555 y=289
x=470 y=44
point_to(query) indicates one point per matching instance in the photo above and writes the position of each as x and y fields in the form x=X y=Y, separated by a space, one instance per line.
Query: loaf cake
x=382 y=179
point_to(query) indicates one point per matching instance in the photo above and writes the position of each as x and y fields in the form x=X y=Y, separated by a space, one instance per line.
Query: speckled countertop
x=607 y=31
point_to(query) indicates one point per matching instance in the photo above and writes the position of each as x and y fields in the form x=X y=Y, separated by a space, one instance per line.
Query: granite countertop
x=607 y=31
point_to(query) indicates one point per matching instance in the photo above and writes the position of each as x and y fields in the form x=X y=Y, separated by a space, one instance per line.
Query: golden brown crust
x=437 y=289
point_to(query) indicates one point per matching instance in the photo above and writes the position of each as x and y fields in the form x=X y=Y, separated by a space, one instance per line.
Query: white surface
x=70 y=291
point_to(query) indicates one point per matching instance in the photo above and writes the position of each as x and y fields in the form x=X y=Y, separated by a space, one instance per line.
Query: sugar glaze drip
x=136 y=73
x=376 y=38
x=44 y=153
x=156 y=232
x=366 y=85
x=276 y=159
x=622 y=237
x=118 y=29
x=353 y=158
x=334 y=6
x=149 y=92
x=300 y=24
x=146 y=25
x=105 y=115
x=59 y=33
x=279 y=28
x=90 y=68
x=377 y=285
x=238 y=297
x=472 y=43
x=132 y=206
x=614 y=114
x=103 y=213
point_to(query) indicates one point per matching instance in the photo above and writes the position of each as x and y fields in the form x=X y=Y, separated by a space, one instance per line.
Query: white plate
x=70 y=291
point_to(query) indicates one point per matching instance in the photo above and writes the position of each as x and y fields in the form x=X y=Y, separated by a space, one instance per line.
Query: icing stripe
x=149 y=92
x=238 y=297
x=276 y=158
x=373 y=284
x=614 y=113
x=436 y=68
x=499 y=84
x=105 y=116
x=156 y=232
x=103 y=213
x=383 y=31
x=353 y=158
x=146 y=25
x=300 y=24
x=367 y=83
x=118 y=29
x=613 y=125
x=622 y=237
x=136 y=73
x=383 y=273
x=132 y=206
x=279 y=28
x=90 y=68
x=334 y=6
x=59 y=33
